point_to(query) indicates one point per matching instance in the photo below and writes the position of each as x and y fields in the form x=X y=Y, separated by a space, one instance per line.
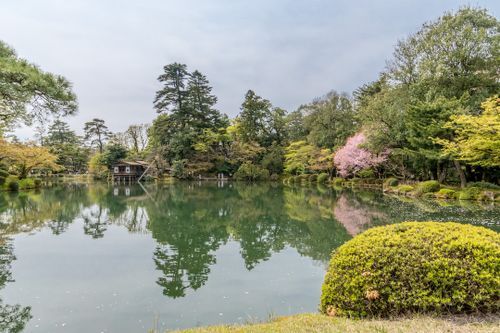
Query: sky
x=288 y=51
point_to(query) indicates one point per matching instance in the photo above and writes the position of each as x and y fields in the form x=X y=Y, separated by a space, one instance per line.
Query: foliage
x=427 y=187
x=260 y=122
x=329 y=120
x=187 y=109
x=27 y=184
x=97 y=167
x=476 y=139
x=352 y=158
x=337 y=181
x=4 y=173
x=404 y=188
x=484 y=185
x=251 y=172
x=179 y=169
x=322 y=178
x=302 y=157
x=391 y=182
x=446 y=193
x=24 y=158
x=29 y=94
x=414 y=267
x=313 y=178
x=96 y=133
x=112 y=154
x=366 y=173
x=67 y=146
x=469 y=193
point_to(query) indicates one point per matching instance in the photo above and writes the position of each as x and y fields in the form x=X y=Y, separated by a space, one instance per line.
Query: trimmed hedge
x=446 y=193
x=414 y=267
x=404 y=189
x=469 y=193
x=427 y=187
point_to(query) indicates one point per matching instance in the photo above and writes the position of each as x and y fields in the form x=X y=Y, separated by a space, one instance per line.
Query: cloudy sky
x=288 y=51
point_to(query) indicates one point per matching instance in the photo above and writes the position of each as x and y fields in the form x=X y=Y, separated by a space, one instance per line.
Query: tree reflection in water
x=13 y=318
x=191 y=221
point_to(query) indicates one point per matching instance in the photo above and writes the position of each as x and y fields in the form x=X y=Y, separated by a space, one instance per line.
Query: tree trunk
x=461 y=174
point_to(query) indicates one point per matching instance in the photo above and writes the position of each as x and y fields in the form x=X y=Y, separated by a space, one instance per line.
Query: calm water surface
x=98 y=258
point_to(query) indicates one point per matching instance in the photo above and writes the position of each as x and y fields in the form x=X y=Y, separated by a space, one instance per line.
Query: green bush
x=366 y=173
x=404 y=189
x=251 y=172
x=313 y=178
x=469 y=193
x=446 y=193
x=486 y=185
x=427 y=187
x=38 y=183
x=26 y=183
x=391 y=182
x=414 y=267
x=322 y=178
x=274 y=177
x=12 y=183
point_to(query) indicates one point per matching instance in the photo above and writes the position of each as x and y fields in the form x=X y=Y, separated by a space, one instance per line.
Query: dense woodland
x=433 y=113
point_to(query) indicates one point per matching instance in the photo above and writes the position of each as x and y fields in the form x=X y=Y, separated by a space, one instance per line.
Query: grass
x=320 y=323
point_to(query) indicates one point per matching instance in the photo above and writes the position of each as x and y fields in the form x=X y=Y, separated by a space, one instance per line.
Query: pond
x=102 y=258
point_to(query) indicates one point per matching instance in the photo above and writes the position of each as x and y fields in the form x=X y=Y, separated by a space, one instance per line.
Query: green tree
x=456 y=55
x=329 y=120
x=67 y=146
x=260 y=122
x=172 y=97
x=476 y=139
x=113 y=153
x=96 y=132
x=27 y=93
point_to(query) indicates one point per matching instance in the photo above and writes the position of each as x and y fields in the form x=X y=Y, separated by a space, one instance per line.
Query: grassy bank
x=320 y=323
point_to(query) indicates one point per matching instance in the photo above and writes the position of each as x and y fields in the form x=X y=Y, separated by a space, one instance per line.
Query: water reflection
x=13 y=318
x=191 y=221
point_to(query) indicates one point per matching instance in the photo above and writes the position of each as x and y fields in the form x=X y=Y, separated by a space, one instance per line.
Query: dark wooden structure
x=128 y=171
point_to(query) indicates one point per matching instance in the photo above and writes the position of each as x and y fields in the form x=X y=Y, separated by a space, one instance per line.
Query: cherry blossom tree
x=352 y=158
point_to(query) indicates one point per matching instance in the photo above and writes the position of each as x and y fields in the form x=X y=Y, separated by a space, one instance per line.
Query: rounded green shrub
x=414 y=267
x=322 y=178
x=251 y=172
x=427 y=187
x=446 y=193
x=26 y=184
x=313 y=178
x=469 y=193
x=404 y=189
x=391 y=182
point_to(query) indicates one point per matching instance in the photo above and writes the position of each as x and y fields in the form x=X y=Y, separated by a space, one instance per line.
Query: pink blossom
x=351 y=158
